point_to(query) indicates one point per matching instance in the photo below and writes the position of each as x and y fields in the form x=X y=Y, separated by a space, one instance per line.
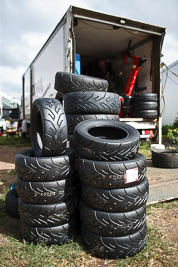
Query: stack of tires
x=45 y=184
x=114 y=188
x=127 y=107
x=85 y=98
x=145 y=106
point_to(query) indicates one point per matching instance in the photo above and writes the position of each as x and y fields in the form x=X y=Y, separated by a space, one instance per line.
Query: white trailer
x=170 y=79
x=95 y=35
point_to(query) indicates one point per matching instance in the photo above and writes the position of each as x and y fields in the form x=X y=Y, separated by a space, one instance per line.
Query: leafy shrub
x=165 y=129
x=173 y=135
x=175 y=124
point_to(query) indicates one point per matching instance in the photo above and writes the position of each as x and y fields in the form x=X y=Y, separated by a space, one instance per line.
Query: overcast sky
x=26 y=24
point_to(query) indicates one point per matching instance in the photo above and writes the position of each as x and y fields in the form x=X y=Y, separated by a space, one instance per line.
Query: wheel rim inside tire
x=105 y=132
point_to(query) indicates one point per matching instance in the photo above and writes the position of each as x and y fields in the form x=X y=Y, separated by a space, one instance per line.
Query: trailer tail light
x=148 y=133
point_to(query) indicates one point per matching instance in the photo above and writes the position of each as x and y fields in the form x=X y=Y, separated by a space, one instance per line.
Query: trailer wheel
x=113 y=174
x=74 y=119
x=116 y=200
x=165 y=158
x=47 y=215
x=112 y=223
x=48 y=128
x=11 y=203
x=46 y=192
x=57 y=235
x=31 y=168
x=91 y=103
x=66 y=82
x=106 y=140
x=114 y=247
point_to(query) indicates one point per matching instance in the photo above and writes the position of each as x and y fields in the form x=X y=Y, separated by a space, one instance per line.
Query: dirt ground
x=7 y=159
x=7 y=156
x=159 y=175
x=165 y=219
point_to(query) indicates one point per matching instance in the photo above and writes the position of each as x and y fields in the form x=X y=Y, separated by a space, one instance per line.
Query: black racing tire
x=110 y=175
x=91 y=103
x=116 y=200
x=59 y=96
x=145 y=106
x=47 y=215
x=36 y=169
x=66 y=82
x=11 y=204
x=145 y=98
x=106 y=140
x=165 y=158
x=127 y=110
x=112 y=223
x=74 y=119
x=114 y=247
x=146 y=114
x=57 y=235
x=48 y=129
x=46 y=192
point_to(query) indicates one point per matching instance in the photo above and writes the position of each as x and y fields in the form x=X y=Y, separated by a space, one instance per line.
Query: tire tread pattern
x=57 y=235
x=67 y=82
x=115 y=247
x=32 y=168
x=74 y=119
x=112 y=223
x=46 y=192
x=101 y=174
x=55 y=127
x=47 y=215
x=92 y=103
x=116 y=200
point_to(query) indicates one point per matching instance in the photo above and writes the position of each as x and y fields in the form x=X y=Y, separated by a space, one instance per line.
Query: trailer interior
x=95 y=40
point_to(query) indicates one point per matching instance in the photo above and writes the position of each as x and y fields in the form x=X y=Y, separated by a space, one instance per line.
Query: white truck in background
x=93 y=35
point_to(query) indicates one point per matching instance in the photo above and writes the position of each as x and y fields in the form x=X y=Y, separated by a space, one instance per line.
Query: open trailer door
x=101 y=36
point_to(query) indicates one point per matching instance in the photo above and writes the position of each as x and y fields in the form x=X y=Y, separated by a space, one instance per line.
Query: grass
x=17 y=253
x=145 y=149
x=15 y=141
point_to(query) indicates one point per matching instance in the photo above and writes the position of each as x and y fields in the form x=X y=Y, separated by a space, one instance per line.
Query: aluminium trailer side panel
x=46 y=65
x=54 y=56
x=27 y=94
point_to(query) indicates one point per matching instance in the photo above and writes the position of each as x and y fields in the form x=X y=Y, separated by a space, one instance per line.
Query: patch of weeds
x=23 y=254
x=145 y=149
x=157 y=251
x=16 y=141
